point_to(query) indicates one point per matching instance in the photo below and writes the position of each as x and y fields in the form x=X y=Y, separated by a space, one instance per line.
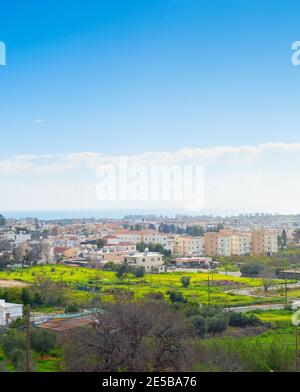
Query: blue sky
x=129 y=76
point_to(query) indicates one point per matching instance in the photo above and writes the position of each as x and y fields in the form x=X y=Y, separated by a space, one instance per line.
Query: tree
x=109 y=266
x=282 y=240
x=4 y=261
x=139 y=271
x=218 y=323
x=25 y=296
x=42 y=341
x=5 y=245
x=122 y=270
x=243 y=320
x=11 y=341
x=100 y=243
x=252 y=269
x=195 y=231
x=137 y=337
x=185 y=281
x=199 y=324
x=47 y=291
x=2 y=221
x=36 y=252
x=176 y=296
x=267 y=277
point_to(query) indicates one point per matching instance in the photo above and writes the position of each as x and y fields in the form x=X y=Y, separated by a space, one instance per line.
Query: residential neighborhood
x=97 y=242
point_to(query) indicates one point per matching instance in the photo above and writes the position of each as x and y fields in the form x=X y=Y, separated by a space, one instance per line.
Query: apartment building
x=186 y=246
x=230 y=243
x=241 y=244
x=211 y=243
x=224 y=245
x=264 y=242
x=129 y=236
x=155 y=237
x=146 y=236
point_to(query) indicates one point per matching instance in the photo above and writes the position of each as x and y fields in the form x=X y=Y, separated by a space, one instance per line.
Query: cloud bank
x=247 y=178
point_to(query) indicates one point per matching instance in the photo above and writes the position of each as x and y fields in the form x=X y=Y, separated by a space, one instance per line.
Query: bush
x=185 y=281
x=42 y=340
x=218 y=323
x=252 y=269
x=243 y=320
x=71 y=309
x=122 y=270
x=139 y=272
x=158 y=296
x=199 y=324
x=12 y=341
x=176 y=296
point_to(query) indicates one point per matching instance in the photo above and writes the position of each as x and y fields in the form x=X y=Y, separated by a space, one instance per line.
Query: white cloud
x=261 y=177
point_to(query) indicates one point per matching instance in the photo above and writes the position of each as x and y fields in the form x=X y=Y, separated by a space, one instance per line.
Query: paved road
x=250 y=291
x=240 y=309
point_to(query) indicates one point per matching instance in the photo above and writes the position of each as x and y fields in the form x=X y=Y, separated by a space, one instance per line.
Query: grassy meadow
x=81 y=281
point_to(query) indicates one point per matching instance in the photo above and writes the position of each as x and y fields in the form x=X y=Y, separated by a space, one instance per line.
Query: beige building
x=187 y=246
x=241 y=244
x=151 y=261
x=230 y=243
x=264 y=242
x=211 y=244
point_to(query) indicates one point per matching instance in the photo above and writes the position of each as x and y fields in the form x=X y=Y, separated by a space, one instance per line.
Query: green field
x=80 y=281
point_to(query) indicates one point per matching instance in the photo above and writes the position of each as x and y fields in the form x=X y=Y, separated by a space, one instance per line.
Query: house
x=151 y=261
x=9 y=312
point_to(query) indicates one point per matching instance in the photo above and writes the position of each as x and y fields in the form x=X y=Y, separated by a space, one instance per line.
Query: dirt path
x=11 y=283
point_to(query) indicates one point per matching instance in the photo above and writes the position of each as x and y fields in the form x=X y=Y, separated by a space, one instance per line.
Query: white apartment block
x=224 y=245
x=270 y=243
x=167 y=241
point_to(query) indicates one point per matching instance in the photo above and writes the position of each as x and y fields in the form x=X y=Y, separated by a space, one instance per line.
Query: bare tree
x=267 y=276
x=131 y=337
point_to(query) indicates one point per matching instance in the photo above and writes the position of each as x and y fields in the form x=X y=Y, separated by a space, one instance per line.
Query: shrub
x=199 y=324
x=252 y=269
x=185 y=281
x=42 y=340
x=71 y=309
x=158 y=296
x=218 y=323
x=139 y=272
x=12 y=341
x=243 y=320
x=176 y=296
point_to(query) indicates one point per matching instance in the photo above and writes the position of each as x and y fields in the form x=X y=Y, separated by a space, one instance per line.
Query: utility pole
x=208 y=287
x=296 y=348
x=28 y=339
x=285 y=292
x=60 y=287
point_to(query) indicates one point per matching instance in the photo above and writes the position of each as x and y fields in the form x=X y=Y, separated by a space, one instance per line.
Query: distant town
x=153 y=242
